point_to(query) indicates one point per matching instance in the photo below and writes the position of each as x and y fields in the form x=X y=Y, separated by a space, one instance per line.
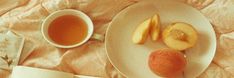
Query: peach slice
x=180 y=36
x=155 y=27
x=141 y=32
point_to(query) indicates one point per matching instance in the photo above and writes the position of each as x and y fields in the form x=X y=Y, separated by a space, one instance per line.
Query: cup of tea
x=67 y=28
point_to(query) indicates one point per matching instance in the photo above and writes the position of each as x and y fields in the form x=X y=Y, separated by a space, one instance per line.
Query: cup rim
x=77 y=13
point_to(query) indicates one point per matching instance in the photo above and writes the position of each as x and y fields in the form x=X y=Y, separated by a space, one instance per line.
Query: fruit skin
x=180 y=36
x=155 y=27
x=167 y=62
x=141 y=32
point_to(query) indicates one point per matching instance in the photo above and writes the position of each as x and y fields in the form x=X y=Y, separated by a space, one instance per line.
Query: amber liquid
x=67 y=30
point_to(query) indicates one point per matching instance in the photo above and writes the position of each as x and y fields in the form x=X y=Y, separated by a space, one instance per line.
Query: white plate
x=132 y=60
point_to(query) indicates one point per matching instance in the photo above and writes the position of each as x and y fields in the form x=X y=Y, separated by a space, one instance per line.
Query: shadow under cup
x=46 y=25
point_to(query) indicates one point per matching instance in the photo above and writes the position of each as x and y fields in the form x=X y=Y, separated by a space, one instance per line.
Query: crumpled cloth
x=25 y=17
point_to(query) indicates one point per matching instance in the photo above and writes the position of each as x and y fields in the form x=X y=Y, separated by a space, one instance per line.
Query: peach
x=167 y=62
x=141 y=32
x=155 y=27
x=180 y=36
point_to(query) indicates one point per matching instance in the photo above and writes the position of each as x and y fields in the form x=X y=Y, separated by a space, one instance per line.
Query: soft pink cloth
x=25 y=17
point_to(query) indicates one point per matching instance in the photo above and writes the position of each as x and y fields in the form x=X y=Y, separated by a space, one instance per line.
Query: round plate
x=132 y=60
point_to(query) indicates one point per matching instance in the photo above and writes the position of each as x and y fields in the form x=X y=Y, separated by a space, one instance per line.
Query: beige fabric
x=25 y=16
x=89 y=59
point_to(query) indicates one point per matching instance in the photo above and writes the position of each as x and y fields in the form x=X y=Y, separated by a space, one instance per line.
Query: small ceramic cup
x=53 y=16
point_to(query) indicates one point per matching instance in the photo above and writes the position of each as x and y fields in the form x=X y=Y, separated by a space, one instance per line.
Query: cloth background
x=25 y=17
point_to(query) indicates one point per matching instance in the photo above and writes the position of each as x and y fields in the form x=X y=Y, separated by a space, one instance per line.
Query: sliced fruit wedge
x=141 y=32
x=155 y=27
